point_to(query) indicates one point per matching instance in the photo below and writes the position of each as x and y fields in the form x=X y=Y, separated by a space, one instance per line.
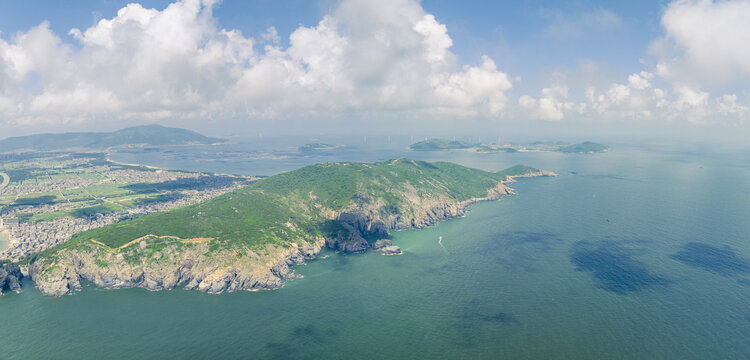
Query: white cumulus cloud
x=705 y=41
x=551 y=105
x=387 y=56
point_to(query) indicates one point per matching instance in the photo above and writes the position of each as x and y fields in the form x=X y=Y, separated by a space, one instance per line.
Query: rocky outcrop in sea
x=10 y=278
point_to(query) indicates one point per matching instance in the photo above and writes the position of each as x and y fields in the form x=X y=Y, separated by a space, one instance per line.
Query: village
x=46 y=210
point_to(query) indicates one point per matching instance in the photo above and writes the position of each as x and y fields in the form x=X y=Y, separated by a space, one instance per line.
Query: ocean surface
x=639 y=253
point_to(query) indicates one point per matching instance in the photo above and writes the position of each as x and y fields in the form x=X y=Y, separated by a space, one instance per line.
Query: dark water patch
x=475 y=321
x=302 y=331
x=497 y=318
x=341 y=262
x=444 y=269
x=744 y=281
x=723 y=261
x=520 y=249
x=281 y=350
x=605 y=176
x=518 y=264
x=298 y=341
x=614 y=267
x=542 y=240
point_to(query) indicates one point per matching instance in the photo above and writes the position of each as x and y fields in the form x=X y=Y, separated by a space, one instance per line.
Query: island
x=440 y=144
x=249 y=238
x=153 y=135
x=586 y=147
x=312 y=147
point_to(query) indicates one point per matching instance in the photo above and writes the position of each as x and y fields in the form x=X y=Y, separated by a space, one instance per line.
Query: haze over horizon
x=433 y=67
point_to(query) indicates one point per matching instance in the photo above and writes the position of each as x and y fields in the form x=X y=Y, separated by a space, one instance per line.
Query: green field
x=71 y=176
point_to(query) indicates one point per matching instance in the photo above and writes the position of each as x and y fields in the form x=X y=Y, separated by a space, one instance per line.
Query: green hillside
x=290 y=207
x=139 y=135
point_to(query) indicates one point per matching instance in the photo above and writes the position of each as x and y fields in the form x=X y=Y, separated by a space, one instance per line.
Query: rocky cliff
x=192 y=266
x=10 y=278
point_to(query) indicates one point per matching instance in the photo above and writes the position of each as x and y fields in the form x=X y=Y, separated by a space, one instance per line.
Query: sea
x=642 y=252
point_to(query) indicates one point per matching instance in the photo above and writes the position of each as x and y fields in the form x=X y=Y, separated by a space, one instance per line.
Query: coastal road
x=6 y=180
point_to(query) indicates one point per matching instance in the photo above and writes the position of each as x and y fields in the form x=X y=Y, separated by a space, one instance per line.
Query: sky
x=234 y=68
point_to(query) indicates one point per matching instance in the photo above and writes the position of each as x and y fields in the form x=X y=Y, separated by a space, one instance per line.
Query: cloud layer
x=366 y=58
x=703 y=50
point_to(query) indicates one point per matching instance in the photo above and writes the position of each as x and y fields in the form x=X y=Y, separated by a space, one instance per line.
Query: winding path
x=6 y=180
x=184 y=241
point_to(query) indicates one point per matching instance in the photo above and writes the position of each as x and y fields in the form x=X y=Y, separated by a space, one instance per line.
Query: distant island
x=311 y=147
x=247 y=239
x=444 y=144
x=154 y=135
x=440 y=144
x=583 y=148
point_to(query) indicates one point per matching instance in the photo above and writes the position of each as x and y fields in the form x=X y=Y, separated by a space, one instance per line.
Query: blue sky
x=519 y=35
x=489 y=63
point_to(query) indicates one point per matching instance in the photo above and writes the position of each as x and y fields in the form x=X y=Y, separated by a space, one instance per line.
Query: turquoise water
x=630 y=254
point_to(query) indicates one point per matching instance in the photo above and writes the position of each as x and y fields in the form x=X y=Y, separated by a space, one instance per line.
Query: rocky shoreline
x=198 y=267
x=10 y=278
x=192 y=269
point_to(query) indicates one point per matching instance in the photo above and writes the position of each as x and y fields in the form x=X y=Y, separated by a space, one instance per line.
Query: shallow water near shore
x=636 y=253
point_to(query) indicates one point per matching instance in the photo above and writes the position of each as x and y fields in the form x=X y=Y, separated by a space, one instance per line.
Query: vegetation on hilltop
x=290 y=207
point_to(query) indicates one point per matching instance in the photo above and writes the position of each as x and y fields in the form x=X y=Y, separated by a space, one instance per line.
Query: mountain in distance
x=155 y=135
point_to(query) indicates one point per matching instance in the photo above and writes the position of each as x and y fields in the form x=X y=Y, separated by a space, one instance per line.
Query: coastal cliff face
x=373 y=217
x=191 y=266
x=212 y=264
x=10 y=278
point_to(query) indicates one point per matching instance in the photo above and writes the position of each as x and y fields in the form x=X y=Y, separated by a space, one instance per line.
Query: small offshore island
x=247 y=239
x=586 y=147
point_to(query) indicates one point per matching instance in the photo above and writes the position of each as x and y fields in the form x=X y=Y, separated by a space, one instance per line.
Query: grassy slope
x=258 y=214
